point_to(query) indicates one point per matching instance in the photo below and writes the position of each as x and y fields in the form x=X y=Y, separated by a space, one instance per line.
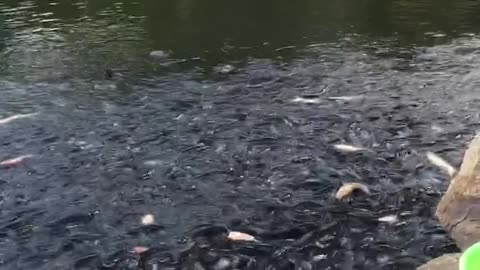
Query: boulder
x=445 y=262
x=459 y=208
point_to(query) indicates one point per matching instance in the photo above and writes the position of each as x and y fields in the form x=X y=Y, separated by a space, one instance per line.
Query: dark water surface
x=232 y=129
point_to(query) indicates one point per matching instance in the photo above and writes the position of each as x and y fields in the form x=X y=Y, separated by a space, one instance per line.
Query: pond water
x=217 y=116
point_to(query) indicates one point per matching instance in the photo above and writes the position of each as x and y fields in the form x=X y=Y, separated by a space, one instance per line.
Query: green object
x=470 y=259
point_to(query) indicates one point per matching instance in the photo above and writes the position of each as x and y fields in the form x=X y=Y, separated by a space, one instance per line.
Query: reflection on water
x=57 y=40
x=231 y=127
x=77 y=35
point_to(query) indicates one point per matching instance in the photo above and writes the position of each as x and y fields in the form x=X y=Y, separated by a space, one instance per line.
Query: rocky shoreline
x=459 y=209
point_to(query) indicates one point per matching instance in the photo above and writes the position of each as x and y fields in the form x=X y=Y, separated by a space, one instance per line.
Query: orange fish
x=346 y=190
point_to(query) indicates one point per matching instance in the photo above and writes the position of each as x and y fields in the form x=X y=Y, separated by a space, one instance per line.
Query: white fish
x=225 y=69
x=153 y=162
x=441 y=163
x=348 y=148
x=437 y=128
x=15 y=161
x=139 y=250
x=389 y=219
x=285 y=48
x=148 y=219
x=222 y=264
x=159 y=54
x=15 y=117
x=307 y=100
x=319 y=257
x=346 y=98
x=346 y=190
x=439 y=35
x=239 y=236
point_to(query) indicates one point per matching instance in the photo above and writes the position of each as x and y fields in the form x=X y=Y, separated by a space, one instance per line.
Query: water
x=232 y=128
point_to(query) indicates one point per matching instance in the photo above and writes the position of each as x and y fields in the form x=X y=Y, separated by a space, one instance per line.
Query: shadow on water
x=232 y=127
